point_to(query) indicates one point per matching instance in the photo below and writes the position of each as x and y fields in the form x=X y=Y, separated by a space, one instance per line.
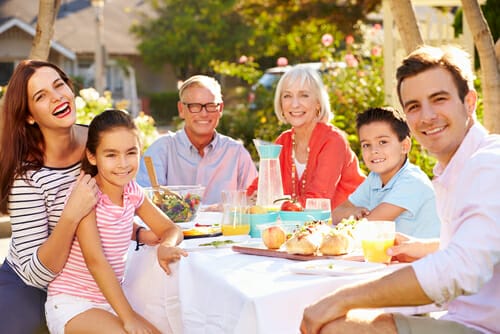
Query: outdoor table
x=222 y=291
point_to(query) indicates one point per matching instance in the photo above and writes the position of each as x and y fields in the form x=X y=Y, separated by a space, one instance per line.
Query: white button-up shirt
x=465 y=271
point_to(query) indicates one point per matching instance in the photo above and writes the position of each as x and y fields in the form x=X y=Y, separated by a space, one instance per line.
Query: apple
x=257 y=209
x=273 y=237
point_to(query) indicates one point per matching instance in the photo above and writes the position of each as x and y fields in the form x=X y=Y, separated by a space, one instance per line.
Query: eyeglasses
x=195 y=108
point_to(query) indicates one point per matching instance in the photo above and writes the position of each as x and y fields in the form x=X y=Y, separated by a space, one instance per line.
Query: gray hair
x=305 y=75
x=202 y=81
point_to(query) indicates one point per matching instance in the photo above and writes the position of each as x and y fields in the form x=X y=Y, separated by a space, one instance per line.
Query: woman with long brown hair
x=40 y=152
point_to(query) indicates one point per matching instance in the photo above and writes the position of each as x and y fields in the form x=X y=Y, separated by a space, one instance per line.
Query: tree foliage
x=190 y=34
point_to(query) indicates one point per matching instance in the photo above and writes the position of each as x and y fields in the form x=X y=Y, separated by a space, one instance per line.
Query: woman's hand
x=83 y=197
x=407 y=249
x=169 y=254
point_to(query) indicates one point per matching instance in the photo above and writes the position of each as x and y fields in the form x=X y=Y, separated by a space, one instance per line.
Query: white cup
x=234 y=205
x=376 y=237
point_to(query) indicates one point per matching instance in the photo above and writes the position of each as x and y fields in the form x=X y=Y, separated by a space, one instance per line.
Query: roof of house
x=75 y=27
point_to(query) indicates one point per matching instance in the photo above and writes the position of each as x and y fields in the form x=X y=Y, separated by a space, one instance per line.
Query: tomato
x=291 y=206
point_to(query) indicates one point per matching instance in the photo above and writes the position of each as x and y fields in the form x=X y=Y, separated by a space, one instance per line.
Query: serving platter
x=260 y=250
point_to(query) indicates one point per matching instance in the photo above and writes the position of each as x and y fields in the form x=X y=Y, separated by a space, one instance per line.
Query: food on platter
x=348 y=225
x=201 y=230
x=273 y=236
x=335 y=243
x=307 y=239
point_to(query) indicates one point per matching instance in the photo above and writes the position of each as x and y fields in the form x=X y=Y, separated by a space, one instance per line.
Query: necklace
x=302 y=185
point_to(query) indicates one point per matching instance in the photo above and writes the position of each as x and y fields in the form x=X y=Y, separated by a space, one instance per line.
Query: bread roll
x=335 y=243
x=306 y=240
x=301 y=245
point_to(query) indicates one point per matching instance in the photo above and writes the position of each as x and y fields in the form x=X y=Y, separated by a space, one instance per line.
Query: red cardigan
x=332 y=169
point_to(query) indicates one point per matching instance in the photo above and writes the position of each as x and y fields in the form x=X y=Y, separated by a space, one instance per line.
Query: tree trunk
x=406 y=21
x=490 y=76
x=47 y=12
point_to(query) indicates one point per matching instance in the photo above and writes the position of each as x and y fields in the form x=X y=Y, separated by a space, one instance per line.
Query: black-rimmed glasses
x=195 y=108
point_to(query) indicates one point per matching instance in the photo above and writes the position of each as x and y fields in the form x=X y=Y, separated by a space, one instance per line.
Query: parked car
x=267 y=82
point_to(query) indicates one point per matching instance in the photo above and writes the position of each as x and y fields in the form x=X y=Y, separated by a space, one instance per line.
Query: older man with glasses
x=198 y=154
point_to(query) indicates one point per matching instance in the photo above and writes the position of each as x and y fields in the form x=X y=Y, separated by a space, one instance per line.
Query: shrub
x=89 y=104
x=164 y=107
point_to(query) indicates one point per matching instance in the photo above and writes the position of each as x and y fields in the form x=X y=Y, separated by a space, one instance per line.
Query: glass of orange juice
x=376 y=237
x=234 y=221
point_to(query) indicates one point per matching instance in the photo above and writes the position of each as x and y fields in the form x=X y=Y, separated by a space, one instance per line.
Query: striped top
x=115 y=225
x=35 y=206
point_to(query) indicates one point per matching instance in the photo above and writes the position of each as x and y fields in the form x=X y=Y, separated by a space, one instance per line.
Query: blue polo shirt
x=411 y=189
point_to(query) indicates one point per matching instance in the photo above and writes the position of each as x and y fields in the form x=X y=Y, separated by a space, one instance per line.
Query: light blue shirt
x=226 y=164
x=409 y=189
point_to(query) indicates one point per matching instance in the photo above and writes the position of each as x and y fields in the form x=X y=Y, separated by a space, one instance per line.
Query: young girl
x=87 y=295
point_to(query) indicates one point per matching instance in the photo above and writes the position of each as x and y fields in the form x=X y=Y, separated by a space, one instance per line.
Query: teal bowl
x=256 y=219
x=300 y=217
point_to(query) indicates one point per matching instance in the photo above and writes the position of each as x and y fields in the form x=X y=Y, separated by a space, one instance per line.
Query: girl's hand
x=138 y=325
x=169 y=254
x=83 y=197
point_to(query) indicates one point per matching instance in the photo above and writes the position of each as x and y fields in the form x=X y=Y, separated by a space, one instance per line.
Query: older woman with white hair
x=316 y=160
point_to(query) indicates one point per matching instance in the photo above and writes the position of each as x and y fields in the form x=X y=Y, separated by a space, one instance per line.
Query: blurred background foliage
x=236 y=40
x=89 y=104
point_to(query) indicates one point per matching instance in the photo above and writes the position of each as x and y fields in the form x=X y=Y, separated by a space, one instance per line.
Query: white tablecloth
x=226 y=292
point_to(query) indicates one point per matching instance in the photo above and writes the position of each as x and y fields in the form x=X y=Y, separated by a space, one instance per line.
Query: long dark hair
x=22 y=145
x=108 y=120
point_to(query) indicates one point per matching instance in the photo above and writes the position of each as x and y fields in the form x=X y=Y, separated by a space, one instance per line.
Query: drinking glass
x=320 y=204
x=234 y=205
x=376 y=237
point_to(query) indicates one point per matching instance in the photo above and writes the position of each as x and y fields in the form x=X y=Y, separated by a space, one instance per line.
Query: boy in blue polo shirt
x=395 y=189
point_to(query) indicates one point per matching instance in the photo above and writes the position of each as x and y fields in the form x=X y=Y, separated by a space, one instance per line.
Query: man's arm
x=400 y=288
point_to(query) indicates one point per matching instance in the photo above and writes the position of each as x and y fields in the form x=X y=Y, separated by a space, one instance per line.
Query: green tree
x=188 y=34
x=191 y=35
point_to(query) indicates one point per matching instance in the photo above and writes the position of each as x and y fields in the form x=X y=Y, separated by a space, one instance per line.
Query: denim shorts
x=61 y=308
x=21 y=305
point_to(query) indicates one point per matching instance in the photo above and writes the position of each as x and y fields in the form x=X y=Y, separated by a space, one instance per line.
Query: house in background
x=74 y=44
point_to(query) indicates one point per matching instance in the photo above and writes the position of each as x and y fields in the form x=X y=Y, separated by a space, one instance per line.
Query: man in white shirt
x=197 y=154
x=462 y=268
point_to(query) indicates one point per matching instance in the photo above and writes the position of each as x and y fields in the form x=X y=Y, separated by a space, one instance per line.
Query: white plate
x=335 y=267
x=195 y=244
x=186 y=225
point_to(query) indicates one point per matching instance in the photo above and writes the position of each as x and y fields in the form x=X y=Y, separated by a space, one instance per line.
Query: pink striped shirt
x=115 y=228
